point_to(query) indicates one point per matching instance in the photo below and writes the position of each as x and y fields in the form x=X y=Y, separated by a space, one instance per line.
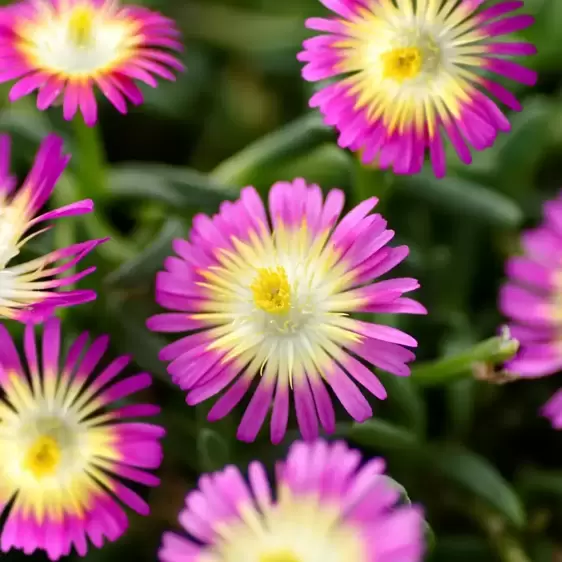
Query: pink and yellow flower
x=323 y=507
x=27 y=289
x=413 y=72
x=268 y=296
x=66 y=448
x=64 y=48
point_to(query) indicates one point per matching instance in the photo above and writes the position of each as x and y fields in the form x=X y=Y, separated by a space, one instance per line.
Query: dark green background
x=476 y=454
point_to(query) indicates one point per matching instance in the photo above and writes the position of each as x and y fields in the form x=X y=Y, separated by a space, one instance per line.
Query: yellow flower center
x=272 y=292
x=279 y=556
x=402 y=63
x=43 y=456
x=80 y=26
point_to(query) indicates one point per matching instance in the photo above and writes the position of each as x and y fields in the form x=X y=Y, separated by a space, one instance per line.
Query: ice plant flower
x=66 y=448
x=410 y=72
x=323 y=506
x=532 y=296
x=269 y=298
x=63 y=48
x=28 y=288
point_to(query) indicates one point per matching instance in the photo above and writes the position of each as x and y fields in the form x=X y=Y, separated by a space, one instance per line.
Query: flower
x=66 y=448
x=532 y=297
x=26 y=288
x=323 y=507
x=553 y=410
x=413 y=71
x=63 y=48
x=270 y=298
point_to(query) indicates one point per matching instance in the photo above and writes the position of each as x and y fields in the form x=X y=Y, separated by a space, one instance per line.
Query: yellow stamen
x=279 y=556
x=402 y=63
x=271 y=290
x=80 y=26
x=43 y=457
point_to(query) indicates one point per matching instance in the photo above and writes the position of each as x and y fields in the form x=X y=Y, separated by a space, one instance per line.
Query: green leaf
x=291 y=141
x=381 y=434
x=242 y=31
x=212 y=449
x=405 y=399
x=462 y=549
x=460 y=405
x=23 y=119
x=179 y=188
x=326 y=165
x=475 y=475
x=464 y=198
x=141 y=269
x=537 y=481
x=126 y=323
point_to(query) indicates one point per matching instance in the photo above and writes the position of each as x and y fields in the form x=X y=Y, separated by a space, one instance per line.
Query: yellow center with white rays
x=411 y=62
x=295 y=529
x=77 y=41
x=278 y=303
x=53 y=445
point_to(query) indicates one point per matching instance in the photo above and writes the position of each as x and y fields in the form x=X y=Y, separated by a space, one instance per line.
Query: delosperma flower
x=531 y=297
x=323 y=507
x=267 y=297
x=29 y=290
x=66 y=48
x=410 y=72
x=66 y=447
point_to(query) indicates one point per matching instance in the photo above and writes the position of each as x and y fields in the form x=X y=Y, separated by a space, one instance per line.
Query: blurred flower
x=532 y=297
x=269 y=298
x=63 y=48
x=553 y=410
x=65 y=450
x=414 y=71
x=26 y=288
x=323 y=507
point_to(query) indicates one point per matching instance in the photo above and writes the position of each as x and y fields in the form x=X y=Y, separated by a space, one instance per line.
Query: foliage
x=475 y=454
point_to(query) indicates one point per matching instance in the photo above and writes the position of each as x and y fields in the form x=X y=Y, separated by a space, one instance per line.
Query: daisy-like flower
x=414 y=71
x=323 y=507
x=532 y=297
x=66 y=448
x=27 y=289
x=63 y=48
x=269 y=298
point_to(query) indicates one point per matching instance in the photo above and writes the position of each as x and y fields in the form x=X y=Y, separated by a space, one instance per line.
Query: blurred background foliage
x=476 y=454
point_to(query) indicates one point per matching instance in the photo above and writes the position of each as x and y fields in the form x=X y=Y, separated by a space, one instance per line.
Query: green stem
x=494 y=351
x=91 y=166
x=507 y=546
x=91 y=183
x=295 y=139
x=369 y=182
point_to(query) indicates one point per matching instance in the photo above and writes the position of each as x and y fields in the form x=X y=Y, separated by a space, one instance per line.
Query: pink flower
x=323 y=507
x=67 y=448
x=413 y=72
x=532 y=295
x=63 y=48
x=267 y=296
x=28 y=289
